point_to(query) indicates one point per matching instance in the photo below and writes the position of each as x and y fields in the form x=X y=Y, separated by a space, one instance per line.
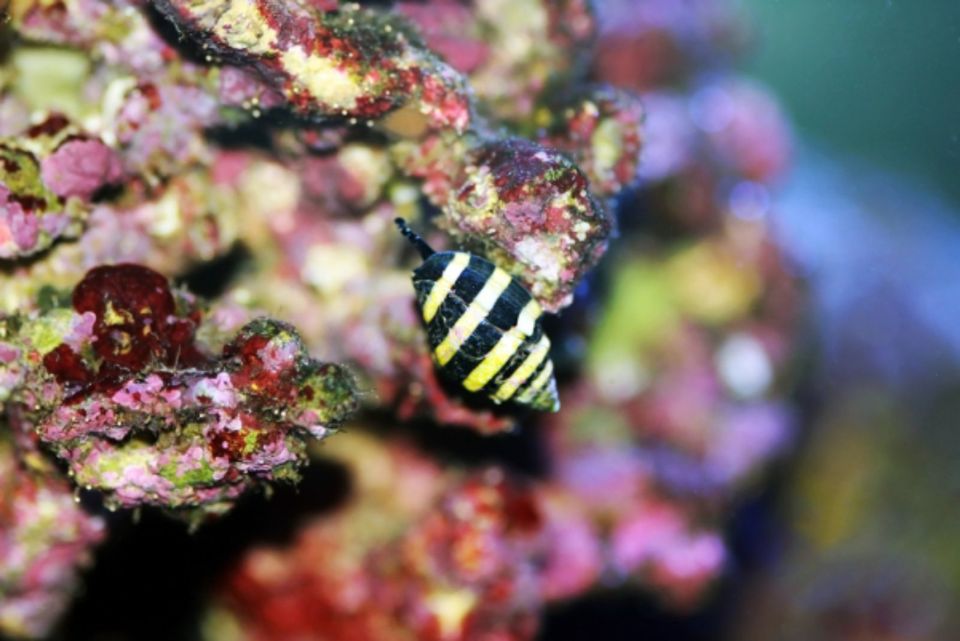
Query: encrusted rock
x=118 y=386
x=531 y=212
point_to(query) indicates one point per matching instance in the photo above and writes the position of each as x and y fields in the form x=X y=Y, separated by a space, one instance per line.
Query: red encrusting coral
x=136 y=318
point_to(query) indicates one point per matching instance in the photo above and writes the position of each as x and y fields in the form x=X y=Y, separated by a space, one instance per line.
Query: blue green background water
x=876 y=79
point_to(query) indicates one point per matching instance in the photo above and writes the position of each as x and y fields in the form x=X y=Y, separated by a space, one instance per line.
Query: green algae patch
x=51 y=79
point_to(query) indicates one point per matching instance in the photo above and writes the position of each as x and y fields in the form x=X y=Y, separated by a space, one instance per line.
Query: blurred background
x=870 y=211
x=876 y=79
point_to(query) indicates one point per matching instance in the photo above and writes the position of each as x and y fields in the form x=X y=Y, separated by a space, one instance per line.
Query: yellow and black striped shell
x=484 y=329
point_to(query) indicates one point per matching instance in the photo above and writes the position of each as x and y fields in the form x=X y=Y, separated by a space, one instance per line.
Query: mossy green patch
x=20 y=172
x=51 y=79
x=202 y=474
x=47 y=331
x=640 y=311
x=375 y=32
x=287 y=472
x=555 y=173
x=599 y=426
x=334 y=393
x=50 y=298
x=250 y=440
x=116 y=25
x=607 y=145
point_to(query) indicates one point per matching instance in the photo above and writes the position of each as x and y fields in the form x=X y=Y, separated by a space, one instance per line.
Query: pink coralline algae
x=658 y=542
x=511 y=51
x=79 y=168
x=156 y=127
x=47 y=178
x=188 y=220
x=141 y=411
x=45 y=539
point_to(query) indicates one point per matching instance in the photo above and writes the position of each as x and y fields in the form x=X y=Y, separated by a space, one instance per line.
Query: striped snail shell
x=483 y=327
